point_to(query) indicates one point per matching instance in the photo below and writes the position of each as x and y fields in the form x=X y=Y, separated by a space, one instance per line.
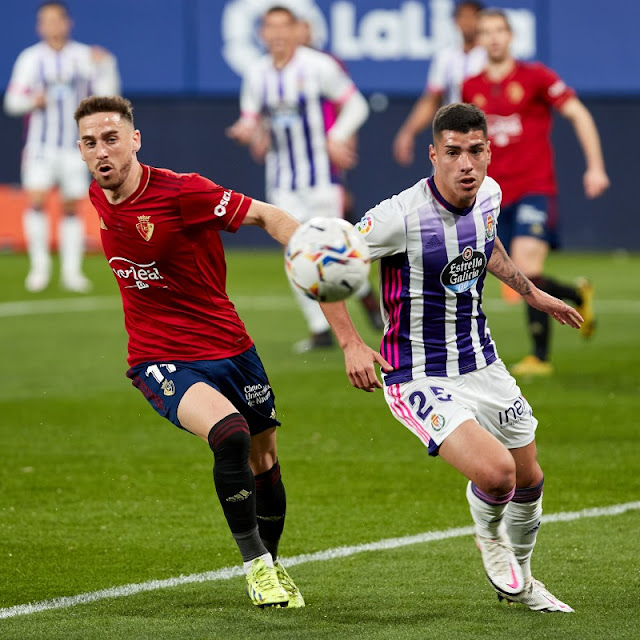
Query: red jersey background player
x=518 y=99
x=189 y=352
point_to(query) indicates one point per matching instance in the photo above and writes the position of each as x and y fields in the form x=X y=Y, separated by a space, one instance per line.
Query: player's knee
x=230 y=440
x=500 y=476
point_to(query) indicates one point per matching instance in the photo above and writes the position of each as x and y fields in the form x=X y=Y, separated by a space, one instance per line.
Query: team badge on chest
x=490 y=228
x=144 y=227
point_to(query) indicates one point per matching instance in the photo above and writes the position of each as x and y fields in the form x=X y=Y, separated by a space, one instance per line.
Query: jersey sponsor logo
x=514 y=413
x=144 y=227
x=256 y=394
x=490 y=228
x=221 y=208
x=142 y=275
x=365 y=225
x=464 y=270
x=504 y=129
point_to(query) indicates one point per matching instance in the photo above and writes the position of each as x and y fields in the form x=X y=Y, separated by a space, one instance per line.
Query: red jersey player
x=518 y=99
x=189 y=352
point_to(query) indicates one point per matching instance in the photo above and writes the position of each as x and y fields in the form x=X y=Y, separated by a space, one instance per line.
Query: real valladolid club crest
x=490 y=228
x=144 y=227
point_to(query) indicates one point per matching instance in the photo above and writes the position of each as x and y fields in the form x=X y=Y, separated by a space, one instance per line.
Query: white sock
x=316 y=321
x=71 y=240
x=523 y=521
x=487 y=512
x=266 y=557
x=35 y=224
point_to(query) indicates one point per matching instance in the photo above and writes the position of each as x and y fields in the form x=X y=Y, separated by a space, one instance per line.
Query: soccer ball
x=327 y=259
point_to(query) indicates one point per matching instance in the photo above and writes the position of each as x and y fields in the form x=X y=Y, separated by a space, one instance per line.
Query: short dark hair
x=104 y=104
x=464 y=4
x=496 y=13
x=460 y=117
x=52 y=3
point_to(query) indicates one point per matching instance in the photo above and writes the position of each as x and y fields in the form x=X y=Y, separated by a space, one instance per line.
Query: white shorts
x=304 y=204
x=432 y=407
x=43 y=169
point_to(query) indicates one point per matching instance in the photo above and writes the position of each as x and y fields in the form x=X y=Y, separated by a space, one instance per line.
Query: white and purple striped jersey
x=67 y=77
x=291 y=99
x=432 y=271
x=450 y=67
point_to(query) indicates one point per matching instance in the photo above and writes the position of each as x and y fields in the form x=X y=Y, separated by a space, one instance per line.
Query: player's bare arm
x=358 y=357
x=503 y=268
x=595 y=179
x=277 y=223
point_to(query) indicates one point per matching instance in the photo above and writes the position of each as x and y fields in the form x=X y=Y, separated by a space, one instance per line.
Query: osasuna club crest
x=144 y=227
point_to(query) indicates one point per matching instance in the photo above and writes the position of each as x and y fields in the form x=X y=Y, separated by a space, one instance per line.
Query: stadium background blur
x=180 y=62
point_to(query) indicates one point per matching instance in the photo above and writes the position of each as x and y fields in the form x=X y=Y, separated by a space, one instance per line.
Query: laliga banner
x=386 y=46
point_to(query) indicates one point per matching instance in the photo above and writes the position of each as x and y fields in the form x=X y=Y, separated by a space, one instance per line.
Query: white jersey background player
x=282 y=115
x=449 y=68
x=443 y=379
x=48 y=81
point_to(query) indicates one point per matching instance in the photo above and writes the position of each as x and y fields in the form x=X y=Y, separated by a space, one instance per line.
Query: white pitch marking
x=259 y=303
x=330 y=554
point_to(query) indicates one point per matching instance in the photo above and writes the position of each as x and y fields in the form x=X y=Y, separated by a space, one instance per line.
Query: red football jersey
x=163 y=245
x=519 y=118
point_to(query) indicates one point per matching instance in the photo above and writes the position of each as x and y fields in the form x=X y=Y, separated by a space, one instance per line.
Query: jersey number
x=154 y=370
x=418 y=398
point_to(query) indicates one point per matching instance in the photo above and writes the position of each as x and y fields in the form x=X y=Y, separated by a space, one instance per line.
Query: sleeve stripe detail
x=235 y=212
x=347 y=94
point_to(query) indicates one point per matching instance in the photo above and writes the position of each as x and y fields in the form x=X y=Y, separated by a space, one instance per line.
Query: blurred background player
x=307 y=37
x=448 y=70
x=519 y=99
x=48 y=81
x=283 y=118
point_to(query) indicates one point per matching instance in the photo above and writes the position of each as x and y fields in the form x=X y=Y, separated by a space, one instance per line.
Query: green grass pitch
x=97 y=491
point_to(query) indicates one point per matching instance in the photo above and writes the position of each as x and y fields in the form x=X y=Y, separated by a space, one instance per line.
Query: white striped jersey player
x=450 y=67
x=446 y=367
x=67 y=77
x=292 y=100
x=432 y=272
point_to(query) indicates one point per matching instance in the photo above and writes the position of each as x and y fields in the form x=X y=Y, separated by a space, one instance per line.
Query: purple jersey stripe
x=43 y=79
x=60 y=102
x=433 y=259
x=467 y=237
x=307 y=140
x=291 y=159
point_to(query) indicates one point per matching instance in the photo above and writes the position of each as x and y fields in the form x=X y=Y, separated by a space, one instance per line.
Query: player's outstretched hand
x=360 y=365
x=557 y=309
x=241 y=131
x=342 y=154
x=596 y=182
x=403 y=148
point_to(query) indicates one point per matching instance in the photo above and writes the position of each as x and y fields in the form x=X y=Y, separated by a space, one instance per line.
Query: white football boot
x=500 y=565
x=537 y=598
